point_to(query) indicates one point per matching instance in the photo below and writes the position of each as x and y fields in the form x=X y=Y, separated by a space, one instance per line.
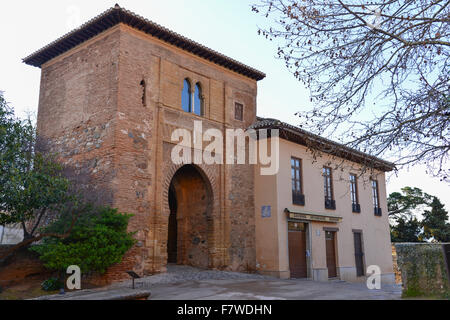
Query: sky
x=229 y=27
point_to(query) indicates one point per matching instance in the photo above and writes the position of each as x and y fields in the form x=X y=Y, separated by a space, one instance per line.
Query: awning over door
x=308 y=216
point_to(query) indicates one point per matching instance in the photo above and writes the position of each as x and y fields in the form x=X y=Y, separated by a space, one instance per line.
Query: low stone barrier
x=423 y=269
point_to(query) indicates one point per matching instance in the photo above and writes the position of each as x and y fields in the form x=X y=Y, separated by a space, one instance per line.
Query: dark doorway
x=331 y=253
x=190 y=224
x=359 y=254
x=172 y=231
x=297 y=249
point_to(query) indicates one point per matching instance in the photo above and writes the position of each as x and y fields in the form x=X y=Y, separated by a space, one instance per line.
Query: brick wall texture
x=103 y=122
x=22 y=265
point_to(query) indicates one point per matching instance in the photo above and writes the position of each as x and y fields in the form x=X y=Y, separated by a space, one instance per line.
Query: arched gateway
x=190 y=221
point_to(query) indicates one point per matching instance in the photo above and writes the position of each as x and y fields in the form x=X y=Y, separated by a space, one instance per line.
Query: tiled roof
x=116 y=15
x=303 y=137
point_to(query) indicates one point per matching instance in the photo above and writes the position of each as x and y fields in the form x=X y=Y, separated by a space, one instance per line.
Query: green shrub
x=51 y=284
x=98 y=239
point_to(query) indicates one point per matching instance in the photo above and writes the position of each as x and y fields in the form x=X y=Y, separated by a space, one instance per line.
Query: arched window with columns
x=186 y=98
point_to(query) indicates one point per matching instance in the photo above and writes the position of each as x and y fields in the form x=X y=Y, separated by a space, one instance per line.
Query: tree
x=401 y=206
x=350 y=53
x=405 y=227
x=52 y=202
x=406 y=230
x=435 y=223
x=98 y=239
x=32 y=186
x=402 y=203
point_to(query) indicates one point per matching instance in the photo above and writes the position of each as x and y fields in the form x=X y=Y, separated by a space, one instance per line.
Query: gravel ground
x=177 y=274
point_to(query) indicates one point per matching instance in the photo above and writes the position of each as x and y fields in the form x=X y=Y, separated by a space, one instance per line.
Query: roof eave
x=116 y=15
x=342 y=151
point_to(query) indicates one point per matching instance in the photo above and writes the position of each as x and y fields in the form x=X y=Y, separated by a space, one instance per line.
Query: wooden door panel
x=359 y=254
x=297 y=254
x=331 y=254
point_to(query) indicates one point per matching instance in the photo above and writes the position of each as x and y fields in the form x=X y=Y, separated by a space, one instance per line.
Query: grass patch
x=414 y=294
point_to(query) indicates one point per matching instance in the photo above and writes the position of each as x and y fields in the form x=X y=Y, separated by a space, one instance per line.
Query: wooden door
x=331 y=253
x=359 y=254
x=297 y=250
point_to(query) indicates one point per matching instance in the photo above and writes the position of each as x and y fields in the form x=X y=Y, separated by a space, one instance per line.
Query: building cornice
x=117 y=15
x=313 y=141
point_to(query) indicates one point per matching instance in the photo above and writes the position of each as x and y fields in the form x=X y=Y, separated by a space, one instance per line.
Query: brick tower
x=111 y=96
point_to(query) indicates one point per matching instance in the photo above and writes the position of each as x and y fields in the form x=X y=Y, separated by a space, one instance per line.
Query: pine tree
x=406 y=230
x=435 y=222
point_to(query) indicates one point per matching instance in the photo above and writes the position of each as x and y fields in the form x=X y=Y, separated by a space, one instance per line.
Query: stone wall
x=423 y=269
x=77 y=114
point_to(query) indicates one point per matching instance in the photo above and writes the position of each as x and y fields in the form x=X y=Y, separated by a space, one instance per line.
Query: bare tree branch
x=378 y=73
x=27 y=241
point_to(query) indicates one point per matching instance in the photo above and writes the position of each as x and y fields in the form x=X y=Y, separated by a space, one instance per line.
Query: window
x=198 y=100
x=238 y=111
x=192 y=102
x=144 y=89
x=296 y=174
x=329 y=235
x=354 y=193
x=376 y=198
x=186 y=100
x=328 y=189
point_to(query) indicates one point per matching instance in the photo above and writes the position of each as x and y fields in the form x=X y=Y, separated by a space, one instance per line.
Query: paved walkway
x=188 y=283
